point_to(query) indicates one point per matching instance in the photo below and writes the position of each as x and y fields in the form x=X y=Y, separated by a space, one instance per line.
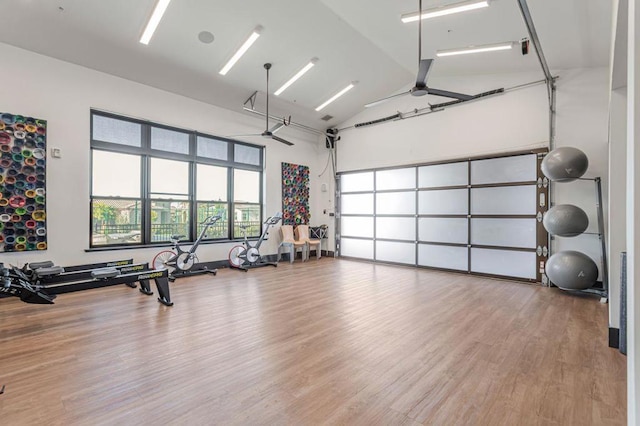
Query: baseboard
x=285 y=256
x=267 y=258
x=614 y=338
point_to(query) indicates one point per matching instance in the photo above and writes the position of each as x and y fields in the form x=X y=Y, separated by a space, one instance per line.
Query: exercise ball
x=572 y=270
x=565 y=164
x=565 y=220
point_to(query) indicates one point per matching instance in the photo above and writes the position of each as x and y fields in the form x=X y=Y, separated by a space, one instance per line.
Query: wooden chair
x=302 y=234
x=291 y=244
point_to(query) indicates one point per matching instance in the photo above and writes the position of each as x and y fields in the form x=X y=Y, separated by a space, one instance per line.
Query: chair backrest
x=303 y=232
x=286 y=231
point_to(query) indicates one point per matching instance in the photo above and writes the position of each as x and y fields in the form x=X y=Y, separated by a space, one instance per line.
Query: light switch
x=56 y=152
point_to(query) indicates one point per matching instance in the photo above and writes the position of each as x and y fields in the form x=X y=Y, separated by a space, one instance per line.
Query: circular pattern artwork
x=295 y=194
x=23 y=150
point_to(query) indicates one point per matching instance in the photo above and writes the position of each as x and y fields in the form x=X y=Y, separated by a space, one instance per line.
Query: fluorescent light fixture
x=156 y=16
x=297 y=76
x=445 y=10
x=243 y=49
x=475 y=49
x=337 y=95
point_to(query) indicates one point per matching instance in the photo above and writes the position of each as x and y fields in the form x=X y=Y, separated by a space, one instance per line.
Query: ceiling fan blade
x=380 y=101
x=276 y=127
x=423 y=72
x=279 y=139
x=448 y=94
x=243 y=135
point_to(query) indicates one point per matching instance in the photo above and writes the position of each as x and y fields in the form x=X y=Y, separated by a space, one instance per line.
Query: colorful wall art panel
x=23 y=152
x=295 y=194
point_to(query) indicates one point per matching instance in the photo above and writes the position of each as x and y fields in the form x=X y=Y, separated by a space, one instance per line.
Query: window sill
x=165 y=245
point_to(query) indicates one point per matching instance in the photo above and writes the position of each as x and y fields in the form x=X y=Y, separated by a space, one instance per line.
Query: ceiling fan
x=269 y=132
x=424 y=66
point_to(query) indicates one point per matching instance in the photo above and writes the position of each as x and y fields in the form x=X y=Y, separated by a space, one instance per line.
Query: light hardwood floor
x=324 y=342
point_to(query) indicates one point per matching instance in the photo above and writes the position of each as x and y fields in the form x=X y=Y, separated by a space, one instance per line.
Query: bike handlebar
x=273 y=219
x=211 y=220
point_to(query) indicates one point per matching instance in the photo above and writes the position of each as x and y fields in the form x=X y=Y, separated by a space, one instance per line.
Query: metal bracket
x=252 y=100
x=539 y=251
x=545 y=280
x=545 y=251
x=543 y=182
x=539 y=217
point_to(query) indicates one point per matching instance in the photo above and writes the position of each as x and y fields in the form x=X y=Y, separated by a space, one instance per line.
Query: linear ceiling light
x=156 y=16
x=445 y=10
x=337 y=95
x=297 y=76
x=245 y=46
x=475 y=49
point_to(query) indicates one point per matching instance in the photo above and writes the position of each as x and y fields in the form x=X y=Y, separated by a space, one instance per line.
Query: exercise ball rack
x=565 y=165
x=604 y=291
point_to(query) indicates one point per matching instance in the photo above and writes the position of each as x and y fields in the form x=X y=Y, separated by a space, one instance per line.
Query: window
x=246 y=203
x=211 y=194
x=150 y=182
x=169 y=192
x=116 y=201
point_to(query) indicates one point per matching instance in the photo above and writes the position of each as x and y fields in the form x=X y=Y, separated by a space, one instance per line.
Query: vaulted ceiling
x=355 y=40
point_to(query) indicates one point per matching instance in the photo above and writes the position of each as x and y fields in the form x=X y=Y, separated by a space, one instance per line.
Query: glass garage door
x=480 y=216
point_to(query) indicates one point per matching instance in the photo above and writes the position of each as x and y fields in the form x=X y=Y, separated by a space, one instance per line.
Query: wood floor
x=324 y=342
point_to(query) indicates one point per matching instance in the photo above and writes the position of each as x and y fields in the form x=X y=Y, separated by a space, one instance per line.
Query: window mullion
x=146 y=185
x=231 y=202
x=193 y=211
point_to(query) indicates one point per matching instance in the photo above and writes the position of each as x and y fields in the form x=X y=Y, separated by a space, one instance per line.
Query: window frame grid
x=146 y=153
x=541 y=235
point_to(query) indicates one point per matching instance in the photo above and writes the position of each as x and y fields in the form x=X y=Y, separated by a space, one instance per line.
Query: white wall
x=63 y=93
x=633 y=214
x=617 y=231
x=583 y=122
x=508 y=122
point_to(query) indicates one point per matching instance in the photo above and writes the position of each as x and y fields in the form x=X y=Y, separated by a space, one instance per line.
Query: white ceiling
x=355 y=40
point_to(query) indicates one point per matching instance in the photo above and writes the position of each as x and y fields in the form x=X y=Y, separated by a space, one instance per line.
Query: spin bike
x=182 y=263
x=246 y=256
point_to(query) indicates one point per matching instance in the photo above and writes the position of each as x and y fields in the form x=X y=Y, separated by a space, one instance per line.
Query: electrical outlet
x=56 y=152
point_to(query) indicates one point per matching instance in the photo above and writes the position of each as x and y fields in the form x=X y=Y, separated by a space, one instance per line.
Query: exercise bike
x=181 y=263
x=246 y=256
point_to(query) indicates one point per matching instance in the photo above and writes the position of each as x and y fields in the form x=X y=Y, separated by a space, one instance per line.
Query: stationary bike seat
x=104 y=273
x=177 y=237
x=36 y=265
x=48 y=272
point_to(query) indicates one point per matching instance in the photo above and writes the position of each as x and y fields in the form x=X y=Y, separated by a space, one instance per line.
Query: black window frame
x=146 y=153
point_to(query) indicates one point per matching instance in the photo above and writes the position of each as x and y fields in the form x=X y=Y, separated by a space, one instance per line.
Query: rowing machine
x=44 y=289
